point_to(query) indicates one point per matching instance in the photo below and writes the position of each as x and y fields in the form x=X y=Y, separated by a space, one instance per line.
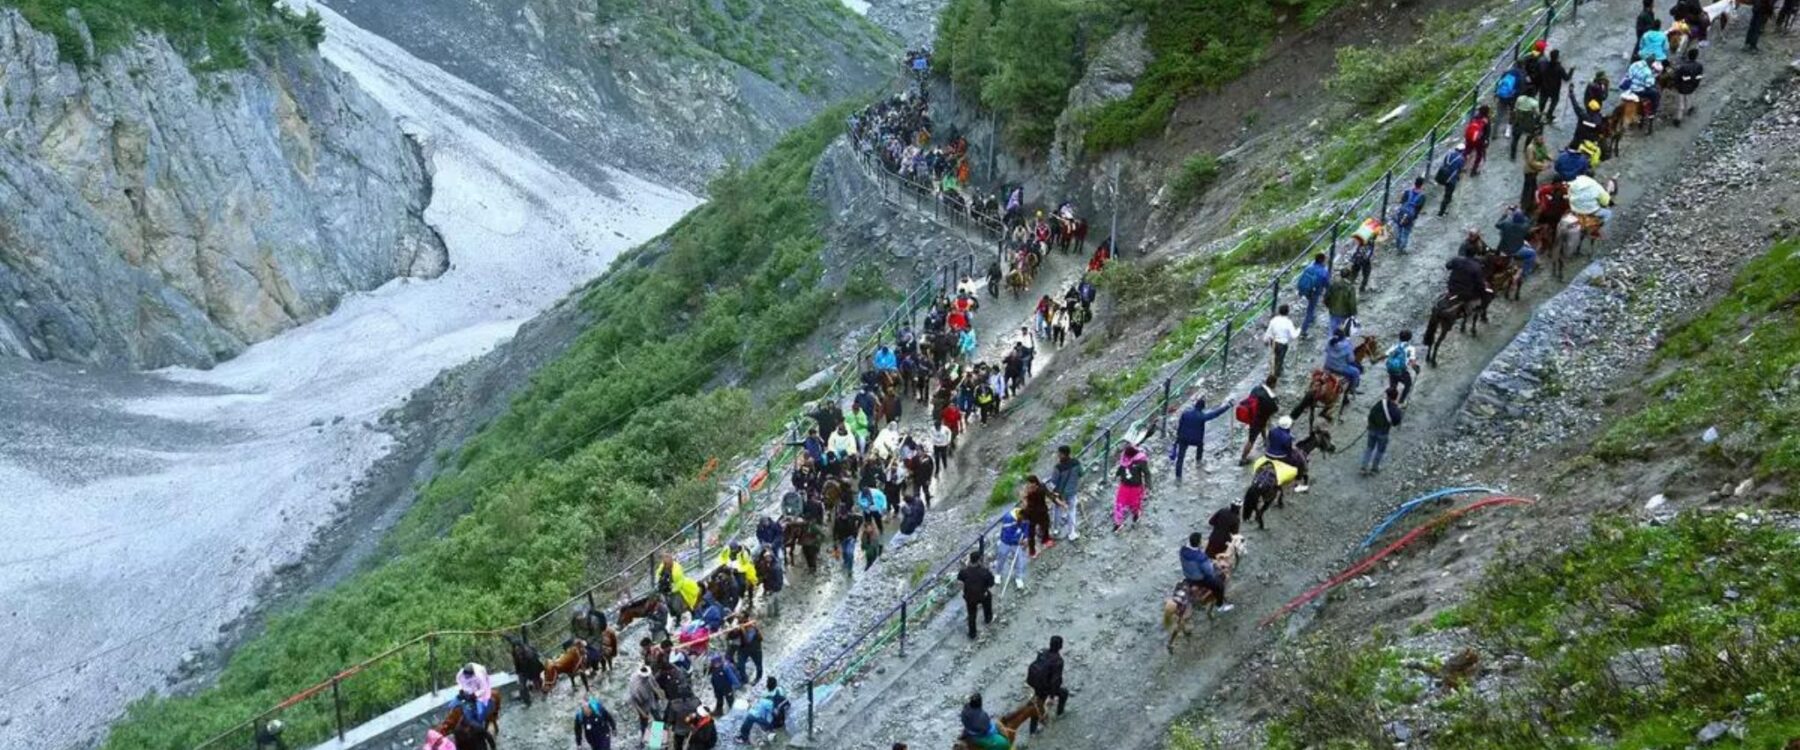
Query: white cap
x=1285 y=422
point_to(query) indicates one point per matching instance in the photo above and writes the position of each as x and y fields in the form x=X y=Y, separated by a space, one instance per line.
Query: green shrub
x=597 y=457
x=216 y=34
x=1193 y=179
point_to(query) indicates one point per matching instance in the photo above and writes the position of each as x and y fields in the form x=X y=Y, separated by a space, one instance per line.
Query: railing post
x=1549 y=18
x=1331 y=254
x=525 y=634
x=1430 y=149
x=699 y=540
x=1168 y=384
x=1106 y=453
x=431 y=663
x=809 y=706
x=1225 y=350
x=337 y=708
x=1274 y=294
x=903 y=627
x=1387 y=193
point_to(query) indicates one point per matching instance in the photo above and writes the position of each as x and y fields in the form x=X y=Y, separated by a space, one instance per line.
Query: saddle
x=1285 y=473
x=1590 y=224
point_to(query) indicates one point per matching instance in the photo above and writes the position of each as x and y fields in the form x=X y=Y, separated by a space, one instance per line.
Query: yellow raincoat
x=681 y=584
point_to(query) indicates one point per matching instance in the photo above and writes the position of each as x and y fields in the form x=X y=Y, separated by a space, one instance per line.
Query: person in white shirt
x=1280 y=333
x=942 y=438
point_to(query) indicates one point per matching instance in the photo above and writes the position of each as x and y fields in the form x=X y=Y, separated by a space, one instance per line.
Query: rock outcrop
x=155 y=216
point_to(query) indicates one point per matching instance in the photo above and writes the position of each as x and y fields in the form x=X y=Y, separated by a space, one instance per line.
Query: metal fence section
x=1145 y=414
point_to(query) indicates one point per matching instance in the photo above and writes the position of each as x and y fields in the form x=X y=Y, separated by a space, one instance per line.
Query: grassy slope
x=598 y=454
x=786 y=41
x=1718 y=588
x=215 y=34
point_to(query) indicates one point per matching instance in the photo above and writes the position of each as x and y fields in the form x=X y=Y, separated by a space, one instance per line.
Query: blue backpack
x=1508 y=85
x=1570 y=164
x=1397 y=360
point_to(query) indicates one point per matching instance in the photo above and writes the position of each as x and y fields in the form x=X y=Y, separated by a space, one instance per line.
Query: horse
x=1011 y=721
x=1446 y=313
x=480 y=733
x=1326 y=389
x=650 y=607
x=1575 y=230
x=1017 y=281
x=590 y=625
x=1629 y=113
x=1543 y=237
x=1073 y=235
x=1180 y=604
x=1256 y=504
x=1505 y=275
x=573 y=662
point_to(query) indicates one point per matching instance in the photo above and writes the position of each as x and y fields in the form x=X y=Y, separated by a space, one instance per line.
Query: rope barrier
x=1370 y=561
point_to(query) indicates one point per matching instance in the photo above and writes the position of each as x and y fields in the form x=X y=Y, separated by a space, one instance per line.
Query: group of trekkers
x=897 y=132
x=860 y=468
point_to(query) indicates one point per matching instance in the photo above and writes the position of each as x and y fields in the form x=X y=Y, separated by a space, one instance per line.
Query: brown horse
x=1180 y=604
x=648 y=607
x=1543 y=237
x=484 y=734
x=1011 y=721
x=1505 y=275
x=573 y=662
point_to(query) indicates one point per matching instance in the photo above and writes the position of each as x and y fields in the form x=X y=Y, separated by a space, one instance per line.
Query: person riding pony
x=675 y=586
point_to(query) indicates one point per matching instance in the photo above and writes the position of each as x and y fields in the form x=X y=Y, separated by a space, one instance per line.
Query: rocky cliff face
x=157 y=217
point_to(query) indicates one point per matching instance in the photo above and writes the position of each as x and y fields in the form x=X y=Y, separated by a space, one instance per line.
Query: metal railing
x=1147 y=412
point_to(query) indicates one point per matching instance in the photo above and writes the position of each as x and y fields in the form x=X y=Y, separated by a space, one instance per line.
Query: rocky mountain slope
x=670 y=88
x=157 y=217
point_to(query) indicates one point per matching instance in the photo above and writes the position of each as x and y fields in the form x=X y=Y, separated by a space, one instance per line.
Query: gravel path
x=1102 y=593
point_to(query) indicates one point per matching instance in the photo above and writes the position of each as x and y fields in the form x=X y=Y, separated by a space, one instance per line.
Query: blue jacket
x=814 y=447
x=1195 y=565
x=1281 y=442
x=1313 y=279
x=1340 y=356
x=871 y=500
x=1014 y=530
x=885 y=360
x=1065 y=479
x=1192 y=428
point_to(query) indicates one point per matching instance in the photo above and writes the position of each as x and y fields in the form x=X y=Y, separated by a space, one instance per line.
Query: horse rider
x=1587 y=197
x=473 y=679
x=979 y=729
x=739 y=561
x=1198 y=571
x=675 y=586
x=1045 y=677
x=1340 y=358
x=1467 y=281
x=1281 y=448
x=1640 y=81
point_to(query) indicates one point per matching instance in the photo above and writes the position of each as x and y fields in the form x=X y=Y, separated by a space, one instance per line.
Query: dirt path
x=1102 y=593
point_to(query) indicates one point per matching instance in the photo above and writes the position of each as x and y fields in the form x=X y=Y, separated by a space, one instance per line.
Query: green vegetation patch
x=213 y=34
x=796 y=43
x=1736 y=367
x=1704 y=602
x=598 y=457
x=1637 y=637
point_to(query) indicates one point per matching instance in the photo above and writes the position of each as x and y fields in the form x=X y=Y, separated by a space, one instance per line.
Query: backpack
x=1246 y=411
x=1397 y=360
x=1038 y=675
x=779 y=716
x=1508 y=85
x=1444 y=171
x=1308 y=283
x=1476 y=132
x=1086 y=290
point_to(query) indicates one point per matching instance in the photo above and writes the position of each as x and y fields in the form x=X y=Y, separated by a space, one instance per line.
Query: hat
x=1594 y=105
x=644 y=671
x=1538 y=46
x=1285 y=422
x=703 y=711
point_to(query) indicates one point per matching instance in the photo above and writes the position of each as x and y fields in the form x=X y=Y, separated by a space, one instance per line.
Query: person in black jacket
x=977 y=590
x=1551 y=76
x=1045 y=676
x=1687 y=81
x=594 y=725
x=1383 y=418
x=1760 y=12
x=1646 y=20
x=1466 y=279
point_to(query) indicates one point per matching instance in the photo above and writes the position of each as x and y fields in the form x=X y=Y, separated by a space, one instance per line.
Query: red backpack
x=1475 y=133
x=1246 y=410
